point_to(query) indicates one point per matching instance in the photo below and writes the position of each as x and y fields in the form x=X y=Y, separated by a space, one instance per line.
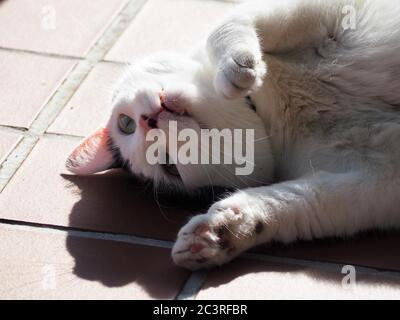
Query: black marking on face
x=152 y=123
x=251 y=104
x=221 y=231
x=259 y=228
x=224 y=244
x=119 y=161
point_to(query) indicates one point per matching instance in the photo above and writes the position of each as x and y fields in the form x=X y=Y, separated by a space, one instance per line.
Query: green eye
x=126 y=124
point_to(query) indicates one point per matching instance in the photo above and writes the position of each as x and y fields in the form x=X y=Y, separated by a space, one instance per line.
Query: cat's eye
x=126 y=124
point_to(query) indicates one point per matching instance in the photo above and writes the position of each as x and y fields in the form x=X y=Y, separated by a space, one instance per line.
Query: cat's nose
x=148 y=122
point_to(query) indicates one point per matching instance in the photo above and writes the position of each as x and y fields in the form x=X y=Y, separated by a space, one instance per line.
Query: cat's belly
x=343 y=144
x=315 y=125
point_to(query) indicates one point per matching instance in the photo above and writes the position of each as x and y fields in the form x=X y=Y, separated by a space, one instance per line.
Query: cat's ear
x=92 y=155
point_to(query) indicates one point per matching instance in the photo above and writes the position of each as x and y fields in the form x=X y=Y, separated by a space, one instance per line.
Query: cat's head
x=170 y=89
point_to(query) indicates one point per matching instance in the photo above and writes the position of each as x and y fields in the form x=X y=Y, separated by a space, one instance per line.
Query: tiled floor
x=28 y=81
x=178 y=24
x=65 y=27
x=109 y=236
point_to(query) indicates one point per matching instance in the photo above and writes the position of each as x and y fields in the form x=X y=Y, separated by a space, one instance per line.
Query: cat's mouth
x=151 y=121
x=179 y=111
x=164 y=107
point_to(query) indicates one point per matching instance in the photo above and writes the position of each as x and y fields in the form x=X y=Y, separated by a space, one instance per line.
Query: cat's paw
x=215 y=238
x=240 y=72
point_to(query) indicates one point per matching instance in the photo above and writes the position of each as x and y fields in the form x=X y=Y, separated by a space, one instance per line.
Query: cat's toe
x=201 y=246
x=240 y=73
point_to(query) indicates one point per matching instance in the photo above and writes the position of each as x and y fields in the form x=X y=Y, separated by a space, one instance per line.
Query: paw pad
x=196 y=248
x=201 y=230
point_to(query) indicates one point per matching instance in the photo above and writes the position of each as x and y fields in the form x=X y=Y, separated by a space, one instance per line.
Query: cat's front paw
x=240 y=72
x=229 y=228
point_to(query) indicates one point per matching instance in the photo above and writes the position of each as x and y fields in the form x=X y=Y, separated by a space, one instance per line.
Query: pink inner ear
x=92 y=155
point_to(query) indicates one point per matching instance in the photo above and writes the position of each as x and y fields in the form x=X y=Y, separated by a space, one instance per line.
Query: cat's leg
x=236 y=53
x=237 y=45
x=321 y=206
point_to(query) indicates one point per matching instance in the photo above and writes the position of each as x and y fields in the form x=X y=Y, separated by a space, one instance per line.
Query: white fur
x=327 y=119
x=188 y=82
x=329 y=103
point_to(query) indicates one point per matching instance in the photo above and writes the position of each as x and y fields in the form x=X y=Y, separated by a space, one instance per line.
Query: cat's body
x=327 y=97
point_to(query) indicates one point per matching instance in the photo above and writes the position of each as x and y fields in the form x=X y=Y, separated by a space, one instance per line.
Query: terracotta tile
x=112 y=201
x=8 y=141
x=372 y=249
x=167 y=25
x=91 y=104
x=26 y=83
x=54 y=265
x=247 y=279
x=68 y=27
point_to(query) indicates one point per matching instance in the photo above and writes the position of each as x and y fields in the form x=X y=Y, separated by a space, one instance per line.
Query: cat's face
x=155 y=93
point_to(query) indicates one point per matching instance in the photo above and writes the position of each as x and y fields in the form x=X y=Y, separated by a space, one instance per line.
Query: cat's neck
x=271 y=103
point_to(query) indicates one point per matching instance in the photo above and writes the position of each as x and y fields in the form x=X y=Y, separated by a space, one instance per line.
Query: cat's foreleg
x=236 y=54
x=320 y=206
x=237 y=46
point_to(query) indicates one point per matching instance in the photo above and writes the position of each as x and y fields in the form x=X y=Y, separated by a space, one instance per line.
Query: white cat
x=324 y=77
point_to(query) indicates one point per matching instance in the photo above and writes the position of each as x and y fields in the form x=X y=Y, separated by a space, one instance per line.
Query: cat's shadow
x=116 y=203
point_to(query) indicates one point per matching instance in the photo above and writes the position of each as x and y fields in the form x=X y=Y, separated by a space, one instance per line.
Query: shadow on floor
x=250 y=279
x=116 y=202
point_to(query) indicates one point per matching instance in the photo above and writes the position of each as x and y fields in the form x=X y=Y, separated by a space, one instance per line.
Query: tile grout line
x=63 y=135
x=197 y=278
x=42 y=54
x=61 y=56
x=66 y=90
x=193 y=285
x=13 y=129
x=79 y=58
x=84 y=233
x=26 y=133
x=320 y=265
x=15 y=158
